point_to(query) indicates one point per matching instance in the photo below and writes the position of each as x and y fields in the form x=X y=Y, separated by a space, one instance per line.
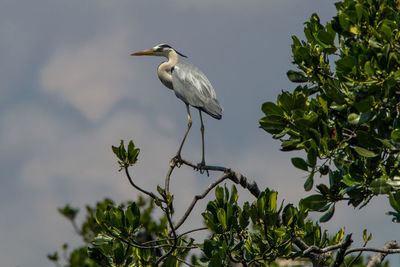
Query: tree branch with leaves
x=344 y=115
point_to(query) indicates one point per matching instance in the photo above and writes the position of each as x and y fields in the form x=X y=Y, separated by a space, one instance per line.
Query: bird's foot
x=177 y=160
x=200 y=167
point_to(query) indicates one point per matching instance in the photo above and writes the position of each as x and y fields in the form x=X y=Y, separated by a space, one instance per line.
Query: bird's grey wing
x=193 y=88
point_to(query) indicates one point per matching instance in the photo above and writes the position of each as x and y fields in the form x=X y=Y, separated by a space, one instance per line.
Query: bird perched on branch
x=189 y=84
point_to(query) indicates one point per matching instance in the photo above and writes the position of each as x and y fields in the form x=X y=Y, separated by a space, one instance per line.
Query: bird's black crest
x=164 y=46
x=168 y=46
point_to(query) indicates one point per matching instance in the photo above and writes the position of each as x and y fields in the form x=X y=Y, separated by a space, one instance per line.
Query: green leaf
x=288 y=215
x=325 y=37
x=133 y=215
x=297 y=76
x=234 y=195
x=273 y=124
x=328 y=215
x=364 y=152
x=208 y=247
x=314 y=202
x=395 y=135
x=374 y=44
x=353 y=118
x=369 y=69
x=300 y=163
x=349 y=181
x=366 y=237
x=219 y=194
x=394 y=200
x=380 y=186
x=270 y=108
x=346 y=63
x=161 y=191
x=115 y=150
x=221 y=215
x=324 y=169
x=365 y=104
x=102 y=239
x=312 y=157
x=309 y=182
x=132 y=153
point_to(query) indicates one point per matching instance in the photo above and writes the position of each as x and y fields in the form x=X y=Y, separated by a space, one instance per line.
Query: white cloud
x=92 y=76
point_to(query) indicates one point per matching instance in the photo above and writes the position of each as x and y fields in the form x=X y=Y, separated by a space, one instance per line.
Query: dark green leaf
x=380 y=186
x=312 y=157
x=273 y=124
x=270 y=108
x=297 y=76
x=325 y=37
x=309 y=182
x=300 y=163
x=394 y=200
x=346 y=63
x=314 y=202
x=365 y=104
x=288 y=215
x=364 y=152
x=328 y=215
x=395 y=135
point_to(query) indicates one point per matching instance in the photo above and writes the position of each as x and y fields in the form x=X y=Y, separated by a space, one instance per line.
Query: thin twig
x=150 y=194
x=163 y=257
x=185 y=262
x=179 y=236
x=198 y=197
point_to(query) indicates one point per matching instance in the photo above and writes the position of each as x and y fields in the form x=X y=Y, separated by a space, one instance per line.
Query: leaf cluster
x=257 y=233
x=345 y=113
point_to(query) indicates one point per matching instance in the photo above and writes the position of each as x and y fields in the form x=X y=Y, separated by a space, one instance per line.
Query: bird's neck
x=165 y=68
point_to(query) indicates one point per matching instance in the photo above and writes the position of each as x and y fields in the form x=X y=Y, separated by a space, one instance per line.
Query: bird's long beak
x=147 y=52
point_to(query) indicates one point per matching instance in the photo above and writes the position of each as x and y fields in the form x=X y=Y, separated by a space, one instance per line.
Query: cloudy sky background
x=69 y=90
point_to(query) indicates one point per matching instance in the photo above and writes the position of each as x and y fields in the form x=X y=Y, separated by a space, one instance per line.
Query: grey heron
x=189 y=84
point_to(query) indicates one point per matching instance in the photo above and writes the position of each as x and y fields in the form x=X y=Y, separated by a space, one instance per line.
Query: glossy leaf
x=314 y=202
x=300 y=163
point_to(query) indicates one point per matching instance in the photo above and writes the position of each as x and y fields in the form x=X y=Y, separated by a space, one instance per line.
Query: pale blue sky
x=69 y=90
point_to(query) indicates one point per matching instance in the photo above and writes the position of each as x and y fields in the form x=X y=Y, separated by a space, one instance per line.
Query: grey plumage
x=193 y=88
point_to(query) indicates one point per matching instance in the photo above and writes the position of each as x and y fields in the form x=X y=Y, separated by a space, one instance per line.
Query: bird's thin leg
x=203 y=161
x=178 y=155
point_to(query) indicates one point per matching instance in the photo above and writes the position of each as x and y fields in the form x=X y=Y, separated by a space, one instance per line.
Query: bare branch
x=173 y=230
x=379 y=257
x=235 y=177
x=150 y=194
x=198 y=197
x=385 y=251
x=174 y=162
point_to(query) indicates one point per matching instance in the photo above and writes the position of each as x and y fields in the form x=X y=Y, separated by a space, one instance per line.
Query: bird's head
x=161 y=50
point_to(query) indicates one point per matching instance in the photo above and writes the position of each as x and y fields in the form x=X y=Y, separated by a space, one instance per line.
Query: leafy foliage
x=345 y=115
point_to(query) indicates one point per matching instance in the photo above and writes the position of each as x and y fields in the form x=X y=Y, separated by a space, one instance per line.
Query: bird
x=189 y=84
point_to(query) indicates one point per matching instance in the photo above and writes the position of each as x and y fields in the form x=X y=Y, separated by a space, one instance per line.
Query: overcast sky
x=70 y=90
